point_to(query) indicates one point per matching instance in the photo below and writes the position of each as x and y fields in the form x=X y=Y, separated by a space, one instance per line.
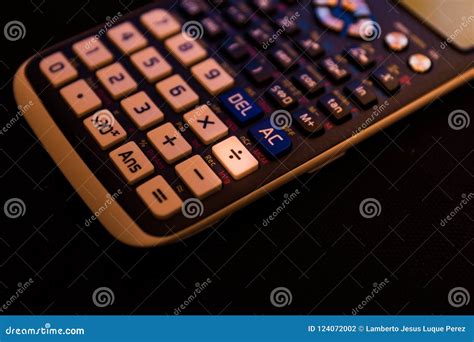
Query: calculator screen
x=452 y=19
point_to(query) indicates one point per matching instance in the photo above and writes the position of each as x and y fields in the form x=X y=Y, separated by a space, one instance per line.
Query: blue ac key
x=274 y=142
x=241 y=106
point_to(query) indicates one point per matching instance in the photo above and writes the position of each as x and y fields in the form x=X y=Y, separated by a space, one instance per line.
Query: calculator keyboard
x=207 y=101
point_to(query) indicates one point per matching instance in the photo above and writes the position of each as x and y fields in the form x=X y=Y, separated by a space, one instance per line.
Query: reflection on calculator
x=190 y=110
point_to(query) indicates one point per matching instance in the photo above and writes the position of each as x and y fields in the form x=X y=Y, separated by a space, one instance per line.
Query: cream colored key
x=131 y=162
x=57 y=69
x=160 y=198
x=205 y=124
x=235 y=158
x=142 y=110
x=151 y=64
x=169 y=142
x=160 y=23
x=93 y=53
x=185 y=50
x=80 y=97
x=212 y=76
x=116 y=80
x=127 y=38
x=105 y=129
x=198 y=177
x=177 y=93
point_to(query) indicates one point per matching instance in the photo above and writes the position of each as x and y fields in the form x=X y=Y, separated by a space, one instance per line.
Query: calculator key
x=236 y=16
x=185 y=50
x=396 y=41
x=212 y=29
x=309 y=83
x=328 y=3
x=169 y=142
x=325 y=17
x=284 y=58
x=131 y=162
x=291 y=27
x=265 y=6
x=127 y=38
x=192 y=8
x=337 y=71
x=105 y=129
x=151 y=64
x=335 y=106
x=142 y=110
x=205 y=124
x=363 y=28
x=241 y=106
x=160 y=23
x=235 y=157
x=349 y=5
x=281 y=96
x=363 y=94
x=212 y=76
x=57 y=69
x=259 y=37
x=419 y=63
x=259 y=71
x=80 y=97
x=177 y=93
x=385 y=80
x=198 y=177
x=93 y=53
x=274 y=141
x=236 y=50
x=116 y=80
x=362 y=10
x=310 y=47
x=160 y=198
x=308 y=122
x=360 y=57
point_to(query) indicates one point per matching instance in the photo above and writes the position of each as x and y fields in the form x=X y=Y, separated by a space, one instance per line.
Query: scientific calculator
x=167 y=119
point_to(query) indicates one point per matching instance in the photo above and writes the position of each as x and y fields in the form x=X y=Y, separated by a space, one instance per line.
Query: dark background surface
x=321 y=248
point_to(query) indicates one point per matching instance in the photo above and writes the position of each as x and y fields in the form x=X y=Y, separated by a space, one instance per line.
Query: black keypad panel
x=262 y=88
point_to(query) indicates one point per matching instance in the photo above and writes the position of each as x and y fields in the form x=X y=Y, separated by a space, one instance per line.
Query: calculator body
x=281 y=153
